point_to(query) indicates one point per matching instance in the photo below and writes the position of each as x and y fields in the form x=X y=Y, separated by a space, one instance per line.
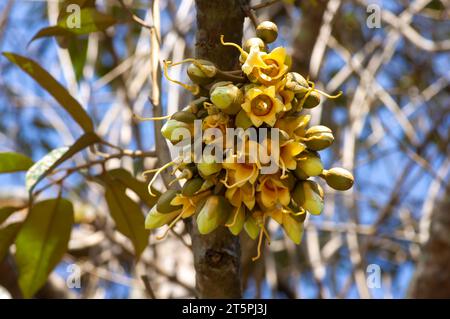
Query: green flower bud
x=236 y=222
x=309 y=195
x=293 y=228
x=289 y=182
x=300 y=174
x=309 y=164
x=242 y=120
x=251 y=227
x=213 y=213
x=164 y=205
x=312 y=100
x=297 y=83
x=318 y=137
x=169 y=128
x=338 y=178
x=267 y=31
x=283 y=137
x=228 y=98
x=201 y=114
x=192 y=186
x=184 y=116
x=296 y=104
x=195 y=105
x=202 y=72
x=254 y=42
x=155 y=219
x=208 y=166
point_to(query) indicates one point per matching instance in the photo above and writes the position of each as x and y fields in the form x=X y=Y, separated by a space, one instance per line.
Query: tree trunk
x=217 y=255
x=432 y=277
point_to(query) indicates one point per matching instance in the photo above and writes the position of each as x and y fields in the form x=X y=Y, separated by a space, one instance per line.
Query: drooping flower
x=288 y=152
x=262 y=67
x=242 y=172
x=272 y=191
x=294 y=126
x=189 y=203
x=242 y=194
x=262 y=105
x=220 y=121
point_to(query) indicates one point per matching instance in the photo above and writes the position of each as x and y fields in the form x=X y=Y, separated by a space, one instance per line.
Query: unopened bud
x=318 y=137
x=293 y=228
x=214 y=213
x=164 y=205
x=312 y=100
x=227 y=97
x=208 y=166
x=267 y=31
x=236 y=222
x=192 y=186
x=155 y=219
x=252 y=42
x=169 y=129
x=297 y=83
x=251 y=227
x=184 y=116
x=202 y=72
x=309 y=195
x=289 y=181
x=338 y=178
x=309 y=164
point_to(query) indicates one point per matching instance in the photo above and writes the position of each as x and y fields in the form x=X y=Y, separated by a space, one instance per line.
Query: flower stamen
x=194 y=88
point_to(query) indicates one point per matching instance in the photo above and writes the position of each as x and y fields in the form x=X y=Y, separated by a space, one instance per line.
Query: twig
x=264 y=4
x=148 y=287
x=135 y=17
x=250 y=13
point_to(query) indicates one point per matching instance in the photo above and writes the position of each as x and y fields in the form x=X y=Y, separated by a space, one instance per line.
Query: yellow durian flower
x=261 y=105
x=262 y=67
x=238 y=195
x=294 y=126
x=272 y=191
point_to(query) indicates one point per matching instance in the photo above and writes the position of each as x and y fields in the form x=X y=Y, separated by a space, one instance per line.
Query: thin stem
x=264 y=4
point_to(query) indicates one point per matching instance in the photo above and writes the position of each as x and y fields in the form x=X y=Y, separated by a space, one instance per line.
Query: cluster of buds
x=235 y=192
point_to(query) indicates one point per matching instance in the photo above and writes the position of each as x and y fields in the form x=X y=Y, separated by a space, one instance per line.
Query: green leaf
x=52 y=31
x=7 y=236
x=90 y=20
x=137 y=186
x=126 y=213
x=42 y=242
x=5 y=212
x=55 y=89
x=14 y=162
x=46 y=164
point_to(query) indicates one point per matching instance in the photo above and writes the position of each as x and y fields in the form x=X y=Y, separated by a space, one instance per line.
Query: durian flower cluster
x=263 y=93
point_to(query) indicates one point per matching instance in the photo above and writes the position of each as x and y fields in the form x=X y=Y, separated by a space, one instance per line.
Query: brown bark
x=217 y=255
x=432 y=277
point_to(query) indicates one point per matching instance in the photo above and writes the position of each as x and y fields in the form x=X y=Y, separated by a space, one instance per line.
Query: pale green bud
x=309 y=164
x=267 y=31
x=293 y=228
x=155 y=219
x=309 y=195
x=215 y=212
x=164 y=205
x=318 y=137
x=251 y=227
x=228 y=98
x=338 y=178
x=208 y=166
